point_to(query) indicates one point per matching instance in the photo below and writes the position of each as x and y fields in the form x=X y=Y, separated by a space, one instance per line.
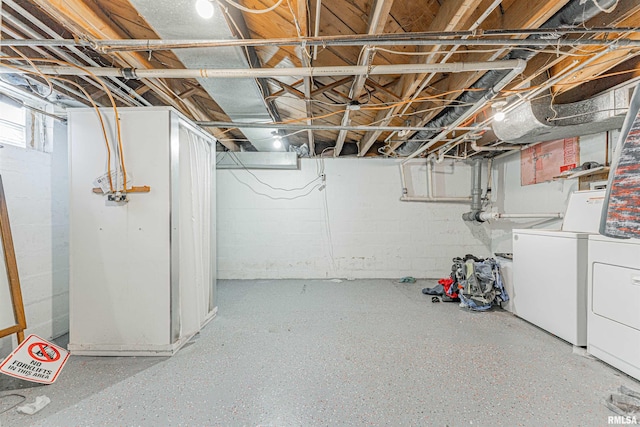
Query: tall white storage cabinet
x=142 y=274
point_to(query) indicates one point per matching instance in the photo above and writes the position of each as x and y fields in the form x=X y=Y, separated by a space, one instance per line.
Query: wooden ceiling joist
x=518 y=15
x=85 y=20
x=377 y=18
x=453 y=15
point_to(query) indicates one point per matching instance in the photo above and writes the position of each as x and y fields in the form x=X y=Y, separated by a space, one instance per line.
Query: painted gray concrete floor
x=316 y=353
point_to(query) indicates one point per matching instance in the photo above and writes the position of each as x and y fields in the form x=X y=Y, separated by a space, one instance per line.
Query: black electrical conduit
x=574 y=13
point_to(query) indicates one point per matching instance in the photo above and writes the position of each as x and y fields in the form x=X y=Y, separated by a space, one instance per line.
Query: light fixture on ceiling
x=204 y=8
x=277 y=140
x=499 y=115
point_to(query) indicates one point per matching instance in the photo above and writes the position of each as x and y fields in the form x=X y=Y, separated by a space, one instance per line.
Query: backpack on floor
x=479 y=283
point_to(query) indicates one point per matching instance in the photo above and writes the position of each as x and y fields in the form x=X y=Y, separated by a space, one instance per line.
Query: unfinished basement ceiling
x=568 y=51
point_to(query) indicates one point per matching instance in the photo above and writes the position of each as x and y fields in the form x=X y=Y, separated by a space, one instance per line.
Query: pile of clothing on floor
x=474 y=282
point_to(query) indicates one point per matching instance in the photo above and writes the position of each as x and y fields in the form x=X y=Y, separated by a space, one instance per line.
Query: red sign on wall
x=544 y=161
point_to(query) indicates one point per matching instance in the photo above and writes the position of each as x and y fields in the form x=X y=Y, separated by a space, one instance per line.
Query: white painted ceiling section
x=240 y=99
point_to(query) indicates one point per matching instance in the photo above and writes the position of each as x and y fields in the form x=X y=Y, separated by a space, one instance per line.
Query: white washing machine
x=614 y=302
x=550 y=270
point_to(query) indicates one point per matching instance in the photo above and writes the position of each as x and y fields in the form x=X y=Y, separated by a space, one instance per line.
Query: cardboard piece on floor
x=35 y=360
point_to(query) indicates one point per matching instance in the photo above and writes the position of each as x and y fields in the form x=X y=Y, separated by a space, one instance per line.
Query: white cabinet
x=614 y=302
x=142 y=274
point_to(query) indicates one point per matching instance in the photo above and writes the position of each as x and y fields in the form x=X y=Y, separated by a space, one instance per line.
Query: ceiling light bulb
x=499 y=116
x=277 y=143
x=204 y=8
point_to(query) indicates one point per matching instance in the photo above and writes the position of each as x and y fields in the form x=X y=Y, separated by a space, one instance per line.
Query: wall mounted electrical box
x=142 y=273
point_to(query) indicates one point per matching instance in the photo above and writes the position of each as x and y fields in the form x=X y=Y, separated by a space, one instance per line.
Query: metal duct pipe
x=188 y=73
x=574 y=13
x=463 y=113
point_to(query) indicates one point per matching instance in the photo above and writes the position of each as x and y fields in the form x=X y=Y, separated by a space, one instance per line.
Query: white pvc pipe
x=475 y=147
x=435 y=199
x=430 y=197
x=316 y=29
x=188 y=73
x=486 y=216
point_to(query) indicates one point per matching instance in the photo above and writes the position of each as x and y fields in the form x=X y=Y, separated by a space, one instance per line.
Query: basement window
x=13 y=124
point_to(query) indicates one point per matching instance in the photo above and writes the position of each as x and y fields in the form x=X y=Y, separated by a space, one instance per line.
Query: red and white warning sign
x=35 y=360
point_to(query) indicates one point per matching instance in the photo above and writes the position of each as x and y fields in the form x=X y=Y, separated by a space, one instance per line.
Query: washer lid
x=584 y=211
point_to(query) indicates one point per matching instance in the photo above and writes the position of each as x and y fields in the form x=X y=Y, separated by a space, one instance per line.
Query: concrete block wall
x=37 y=197
x=356 y=227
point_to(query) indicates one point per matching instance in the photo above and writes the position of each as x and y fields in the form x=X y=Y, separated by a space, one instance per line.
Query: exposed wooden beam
x=526 y=15
x=323 y=88
x=544 y=61
x=605 y=62
x=192 y=90
x=289 y=89
x=452 y=15
x=380 y=10
x=305 y=59
x=384 y=89
x=89 y=22
x=624 y=72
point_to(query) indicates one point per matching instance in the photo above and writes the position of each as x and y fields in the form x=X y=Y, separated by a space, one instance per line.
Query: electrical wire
x=239 y=162
x=609 y=10
x=256 y=11
x=107 y=92
x=102 y=125
x=46 y=78
x=399 y=52
x=96 y=108
x=586 y=114
x=272 y=197
x=325 y=204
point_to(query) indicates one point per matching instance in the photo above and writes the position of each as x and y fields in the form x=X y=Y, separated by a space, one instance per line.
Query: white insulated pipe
x=486 y=216
x=475 y=147
x=316 y=29
x=435 y=199
x=189 y=73
x=430 y=197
